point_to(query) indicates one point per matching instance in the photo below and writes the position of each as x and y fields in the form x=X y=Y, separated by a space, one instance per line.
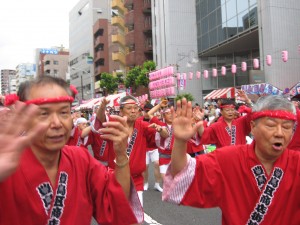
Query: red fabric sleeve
x=110 y=203
x=149 y=133
x=208 y=136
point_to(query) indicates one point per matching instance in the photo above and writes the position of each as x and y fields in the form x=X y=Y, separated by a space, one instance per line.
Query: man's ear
x=252 y=125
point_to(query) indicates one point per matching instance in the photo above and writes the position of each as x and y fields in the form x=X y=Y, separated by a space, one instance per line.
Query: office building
x=24 y=72
x=8 y=81
x=235 y=31
x=52 y=62
x=139 y=36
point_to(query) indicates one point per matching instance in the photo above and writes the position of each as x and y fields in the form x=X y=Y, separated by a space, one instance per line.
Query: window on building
x=131 y=27
x=100 y=62
x=55 y=62
x=131 y=47
x=100 y=47
x=99 y=33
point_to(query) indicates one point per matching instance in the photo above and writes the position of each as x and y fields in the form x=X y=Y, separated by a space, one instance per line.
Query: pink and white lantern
x=233 y=69
x=284 y=56
x=255 y=63
x=223 y=70
x=244 y=66
x=214 y=72
x=269 y=60
x=205 y=74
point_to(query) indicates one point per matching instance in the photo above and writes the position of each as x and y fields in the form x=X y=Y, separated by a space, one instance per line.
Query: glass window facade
x=220 y=20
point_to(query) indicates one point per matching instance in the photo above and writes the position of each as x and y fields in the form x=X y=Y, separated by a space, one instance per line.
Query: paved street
x=169 y=214
x=158 y=212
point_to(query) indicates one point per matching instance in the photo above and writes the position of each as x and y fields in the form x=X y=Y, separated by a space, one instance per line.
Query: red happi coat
x=142 y=137
x=165 y=145
x=233 y=179
x=100 y=148
x=83 y=189
x=221 y=135
x=75 y=138
x=142 y=118
x=194 y=145
x=295 y=142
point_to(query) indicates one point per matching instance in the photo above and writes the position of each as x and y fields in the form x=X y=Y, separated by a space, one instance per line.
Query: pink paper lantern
x=233 y=69
x=244 y=66
x=191 y=75
x=172 y=81
x=205 y=74
x=214 y=72
x=171 y=70
x=223 y=70
x=255 y=63
x=198 y=74
x=284 y=56
x=269 y=60
x=172 y=91
x=178 y=76
x=150 y=76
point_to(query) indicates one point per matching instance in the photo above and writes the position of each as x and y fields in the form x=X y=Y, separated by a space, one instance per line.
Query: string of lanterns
x=162 y=82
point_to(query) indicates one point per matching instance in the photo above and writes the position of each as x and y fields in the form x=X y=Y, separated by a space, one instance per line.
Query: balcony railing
x=147 y=6
x=128 y=3
x=118 y=38
x=117 y=20
x=119 y=56
x=129 y=39
x=118 y=4
x=130 y=59
x=129 y=18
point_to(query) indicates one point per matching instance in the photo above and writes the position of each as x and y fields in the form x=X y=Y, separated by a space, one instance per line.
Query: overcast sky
x=29 y=24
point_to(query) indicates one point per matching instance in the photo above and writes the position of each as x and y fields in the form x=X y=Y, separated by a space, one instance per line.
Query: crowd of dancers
x=47 y=175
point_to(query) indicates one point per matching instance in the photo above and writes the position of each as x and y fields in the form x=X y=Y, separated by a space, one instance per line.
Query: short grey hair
x=274 y=102
x=125 y=98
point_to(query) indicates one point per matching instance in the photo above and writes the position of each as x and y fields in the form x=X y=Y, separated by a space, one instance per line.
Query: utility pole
x=81 y=85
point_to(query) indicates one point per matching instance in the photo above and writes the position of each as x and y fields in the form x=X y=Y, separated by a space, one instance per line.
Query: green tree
x=131 y=77
x=120 y=78
x=149 y=65
x=188 y=96
x=139 y=75
x=109 y=83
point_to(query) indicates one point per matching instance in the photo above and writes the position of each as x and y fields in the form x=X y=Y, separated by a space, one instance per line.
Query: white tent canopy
x=97 y=101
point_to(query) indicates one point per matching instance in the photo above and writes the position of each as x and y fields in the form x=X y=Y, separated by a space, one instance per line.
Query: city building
x=227 y=32
x=138 y=39
x=8 y=85
x=52 y=62
x=174 y=35
x=82 y=18
x=239 y=31
x=109 y=44
x=24 y=71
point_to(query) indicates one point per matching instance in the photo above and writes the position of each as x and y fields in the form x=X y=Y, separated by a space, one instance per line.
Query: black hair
x=26 y=86
x=227 y=102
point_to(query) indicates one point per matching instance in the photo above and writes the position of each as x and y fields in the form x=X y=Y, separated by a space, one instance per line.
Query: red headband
x=227 y=106
x=280 y=114
x=166 y=110
x=41 y=101
x=73 y=89
x=130 y=103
